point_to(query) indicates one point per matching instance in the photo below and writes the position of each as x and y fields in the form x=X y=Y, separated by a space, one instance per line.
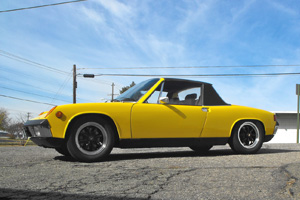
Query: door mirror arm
x=163 y=100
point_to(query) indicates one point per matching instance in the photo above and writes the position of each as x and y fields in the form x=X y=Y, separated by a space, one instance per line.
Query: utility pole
x=74 y=84
x=298 y=102
x=112 y=92
x=28 y=115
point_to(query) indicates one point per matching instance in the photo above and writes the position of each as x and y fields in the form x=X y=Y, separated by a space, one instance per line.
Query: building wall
x=287 y=132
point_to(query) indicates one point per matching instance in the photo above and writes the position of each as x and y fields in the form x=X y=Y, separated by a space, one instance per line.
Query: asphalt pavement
x=32 y=172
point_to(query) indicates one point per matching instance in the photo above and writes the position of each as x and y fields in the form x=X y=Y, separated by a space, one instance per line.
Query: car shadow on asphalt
x=8 y=194
x=148 y=155
x=175 y=154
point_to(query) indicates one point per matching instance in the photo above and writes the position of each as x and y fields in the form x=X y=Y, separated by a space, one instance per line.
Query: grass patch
x=14 y=142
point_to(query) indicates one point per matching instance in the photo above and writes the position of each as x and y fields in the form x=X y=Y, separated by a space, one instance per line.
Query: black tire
x=63 y=150
x=91 y=139
x=247 y=137
x=201 y=149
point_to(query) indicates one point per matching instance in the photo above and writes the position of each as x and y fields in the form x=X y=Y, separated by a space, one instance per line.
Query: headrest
x=191 y=96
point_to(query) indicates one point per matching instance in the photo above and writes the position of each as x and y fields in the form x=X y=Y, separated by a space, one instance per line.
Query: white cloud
x=116 y=8
x=283 y=8
x=163 y=51
x=239 y=12
x=92 y=15
x=196 y=14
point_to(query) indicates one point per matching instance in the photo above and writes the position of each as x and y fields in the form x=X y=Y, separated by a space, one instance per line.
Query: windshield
x=137 y=91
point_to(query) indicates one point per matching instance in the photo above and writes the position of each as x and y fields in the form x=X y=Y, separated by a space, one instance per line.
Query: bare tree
x=13 y=127
x=4 y=119
x=22 y=118
x=16 y=127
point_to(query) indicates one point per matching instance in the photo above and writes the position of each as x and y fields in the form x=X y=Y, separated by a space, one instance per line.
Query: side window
x=154 y=97
x=190 y=96
x=178 y=92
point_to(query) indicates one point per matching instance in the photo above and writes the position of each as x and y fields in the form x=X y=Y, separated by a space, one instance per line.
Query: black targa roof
x=211 y=97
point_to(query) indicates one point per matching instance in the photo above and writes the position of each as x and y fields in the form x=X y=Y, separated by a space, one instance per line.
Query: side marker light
x=59 y=114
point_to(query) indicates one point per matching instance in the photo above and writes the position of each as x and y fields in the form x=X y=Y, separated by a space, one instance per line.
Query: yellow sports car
x=160 y=112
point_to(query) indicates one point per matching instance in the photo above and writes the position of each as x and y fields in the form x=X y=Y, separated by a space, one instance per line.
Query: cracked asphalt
x=33 y=172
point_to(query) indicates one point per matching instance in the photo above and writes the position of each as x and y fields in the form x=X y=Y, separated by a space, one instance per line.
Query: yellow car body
x=143 y=124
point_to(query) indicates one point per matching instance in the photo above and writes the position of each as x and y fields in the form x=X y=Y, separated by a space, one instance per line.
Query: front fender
x=96 y=114
x=119 y=113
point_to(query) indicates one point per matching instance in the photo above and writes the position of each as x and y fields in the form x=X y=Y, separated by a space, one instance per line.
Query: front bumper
x=37 y=128
x=40 y=133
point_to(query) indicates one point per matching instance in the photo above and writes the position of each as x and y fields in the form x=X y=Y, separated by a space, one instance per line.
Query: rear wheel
x=247 y=137
x=91 y=139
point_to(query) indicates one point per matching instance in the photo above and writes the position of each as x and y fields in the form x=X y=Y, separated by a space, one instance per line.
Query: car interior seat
x=190 y=99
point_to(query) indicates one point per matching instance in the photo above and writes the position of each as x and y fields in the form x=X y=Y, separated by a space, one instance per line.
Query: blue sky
x=148 y=33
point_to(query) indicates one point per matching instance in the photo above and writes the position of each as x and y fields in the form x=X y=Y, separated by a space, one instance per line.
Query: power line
x=196 y=67
x=38 y=88
x=98 y=81
x=201 y=75
x=22 y=74
x=54 y=4
x=30 y=62
x=31 y=86
x=33 y=94
x=59 y=91
x=32 y=77
x=16 y=98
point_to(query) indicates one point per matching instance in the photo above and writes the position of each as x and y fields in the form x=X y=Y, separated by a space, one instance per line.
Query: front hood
x=84 y=108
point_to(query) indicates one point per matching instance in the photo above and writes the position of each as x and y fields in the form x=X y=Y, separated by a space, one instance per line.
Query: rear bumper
x=40 y=133
x=276 y=128
x=269 y=137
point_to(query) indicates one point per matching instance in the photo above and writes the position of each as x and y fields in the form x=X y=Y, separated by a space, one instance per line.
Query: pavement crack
x=167 y=180
x=290 y=182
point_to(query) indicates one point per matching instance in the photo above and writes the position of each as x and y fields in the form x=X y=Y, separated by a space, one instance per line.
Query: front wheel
x=247 y=137
x=63 y=150
x=91 y=139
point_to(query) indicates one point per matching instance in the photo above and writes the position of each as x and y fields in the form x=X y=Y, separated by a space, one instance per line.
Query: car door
x=178 y=119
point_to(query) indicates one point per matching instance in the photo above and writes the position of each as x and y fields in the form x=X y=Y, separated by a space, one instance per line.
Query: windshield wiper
x=115 y=100
x=129 y=99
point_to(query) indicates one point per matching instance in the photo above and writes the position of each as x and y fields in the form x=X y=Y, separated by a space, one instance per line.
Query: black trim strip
x=170 y=142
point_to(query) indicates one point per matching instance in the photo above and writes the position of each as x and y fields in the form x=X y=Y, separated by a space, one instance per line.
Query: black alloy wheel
x=247 y=137
x=91 y=139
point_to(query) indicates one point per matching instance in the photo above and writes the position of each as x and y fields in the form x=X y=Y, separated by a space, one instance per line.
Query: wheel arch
x=243 y=120
x=96 y=115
